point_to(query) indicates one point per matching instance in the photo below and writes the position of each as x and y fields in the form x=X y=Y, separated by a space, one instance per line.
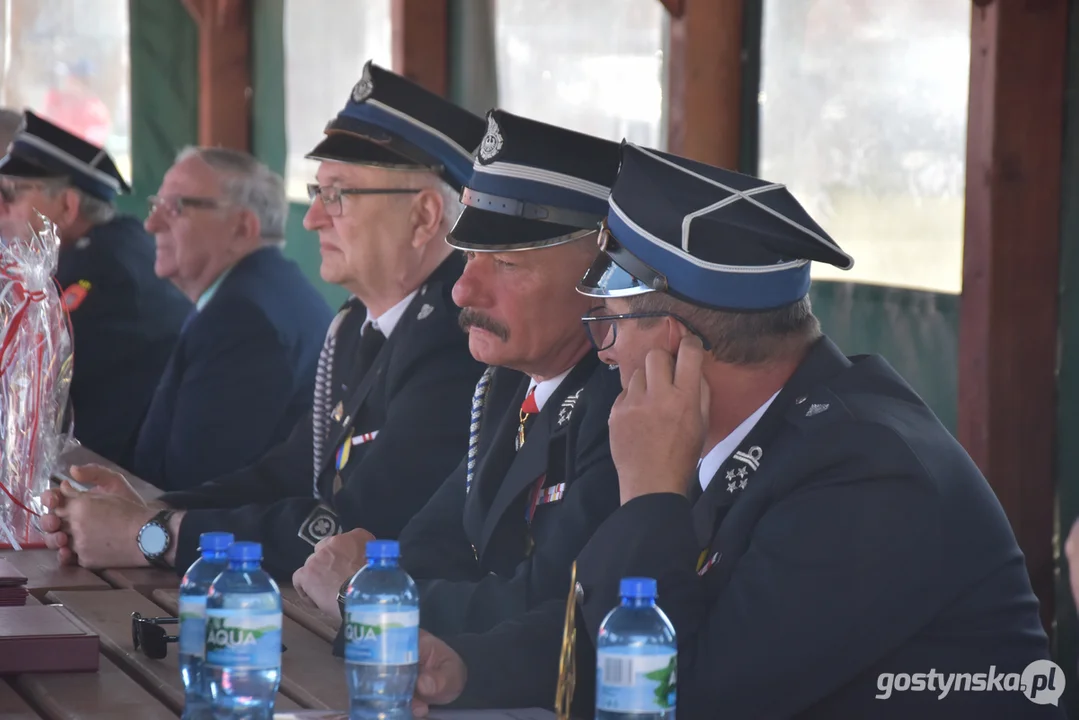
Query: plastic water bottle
x=193 y=588
x=382 y=630
x=243 y=638
x=636 y=657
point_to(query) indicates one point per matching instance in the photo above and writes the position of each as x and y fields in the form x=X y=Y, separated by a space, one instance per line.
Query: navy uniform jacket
x=240 y=378
x=473 y=555
x=415 y=397
x=862 y=541
x=126 y=321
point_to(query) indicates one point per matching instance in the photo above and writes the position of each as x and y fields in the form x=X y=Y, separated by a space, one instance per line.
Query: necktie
x=371 y=341
x=528 y=408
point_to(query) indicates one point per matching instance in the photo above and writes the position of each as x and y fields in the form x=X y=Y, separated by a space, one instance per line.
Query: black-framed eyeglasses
x=148 y=636
x=331 y=195
x=602 y=326
x=174 y=205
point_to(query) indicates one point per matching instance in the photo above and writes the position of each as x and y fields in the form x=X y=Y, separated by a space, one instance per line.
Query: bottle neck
x=383 y=563
x=638 y=602
x=215 y=556
x=244 y=565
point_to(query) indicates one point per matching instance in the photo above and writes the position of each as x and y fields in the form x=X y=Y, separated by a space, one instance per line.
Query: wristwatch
x=154 y=539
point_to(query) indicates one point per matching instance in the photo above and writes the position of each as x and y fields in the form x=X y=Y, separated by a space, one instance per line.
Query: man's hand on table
x=442 y=675
x=335 y=560
x=98 y=528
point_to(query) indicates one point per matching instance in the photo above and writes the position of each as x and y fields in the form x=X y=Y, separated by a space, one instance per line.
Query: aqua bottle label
x=193 y=625
x=243 y=639
x=374 y=636
x=631 y=682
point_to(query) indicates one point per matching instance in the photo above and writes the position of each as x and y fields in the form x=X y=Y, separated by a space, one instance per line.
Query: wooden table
x=128 y=683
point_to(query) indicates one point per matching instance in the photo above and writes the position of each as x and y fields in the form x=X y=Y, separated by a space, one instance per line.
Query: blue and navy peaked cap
x=390 y=121
x=41 y=149
x=533 y=185
x=708 y=236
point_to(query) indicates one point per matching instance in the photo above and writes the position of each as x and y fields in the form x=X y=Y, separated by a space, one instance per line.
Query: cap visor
x=485 y=231
x=606 y=278
x=13 y=166
x=354 y=150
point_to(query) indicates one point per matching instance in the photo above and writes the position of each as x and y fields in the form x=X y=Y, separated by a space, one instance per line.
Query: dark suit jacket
x=240 y=378
x=126 y=322
x=415 y=395
x=472 y=554
x=864 y=541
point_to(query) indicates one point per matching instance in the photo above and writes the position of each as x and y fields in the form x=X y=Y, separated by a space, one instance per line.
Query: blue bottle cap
x=383 y=549
x=245 y=552
x=215 y=541
x=634 y=587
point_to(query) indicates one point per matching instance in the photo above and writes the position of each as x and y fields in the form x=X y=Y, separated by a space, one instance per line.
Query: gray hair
x=92 y=210
x=451 y=199
x=250 y=184
x=741 y=338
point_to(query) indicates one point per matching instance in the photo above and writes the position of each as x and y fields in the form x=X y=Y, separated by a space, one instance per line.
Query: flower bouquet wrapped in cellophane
x=35 y=375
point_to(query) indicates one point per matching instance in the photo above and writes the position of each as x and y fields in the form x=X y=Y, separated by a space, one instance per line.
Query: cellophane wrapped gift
x=35 y=376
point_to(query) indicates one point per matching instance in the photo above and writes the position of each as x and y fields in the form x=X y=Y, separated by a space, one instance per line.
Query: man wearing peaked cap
x=821 y=544
x=126 y=320
x=389 y=418
x=500 y=535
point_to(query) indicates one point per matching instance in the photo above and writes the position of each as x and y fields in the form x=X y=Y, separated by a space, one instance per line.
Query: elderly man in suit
x=244 y=370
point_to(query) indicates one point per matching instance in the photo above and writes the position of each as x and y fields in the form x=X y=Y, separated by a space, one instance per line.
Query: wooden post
x=1008 y=316
x=224 y=72
x=421 y=42
x=704 y=81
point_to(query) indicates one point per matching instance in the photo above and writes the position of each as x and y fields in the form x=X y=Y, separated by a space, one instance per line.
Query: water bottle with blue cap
x=382 y=625
x=243 y=637
x=636 y=658
x=213 y=547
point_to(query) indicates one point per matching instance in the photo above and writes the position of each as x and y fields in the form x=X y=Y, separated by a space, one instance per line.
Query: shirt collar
x=545 y=389
x=387 y=321
x=208 y=293
x=718 y=455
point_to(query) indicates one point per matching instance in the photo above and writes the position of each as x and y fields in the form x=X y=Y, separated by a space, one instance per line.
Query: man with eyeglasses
x=243 y=373
x=125 y=320
x=823 y=546
x=389 y=416
x=499 y=536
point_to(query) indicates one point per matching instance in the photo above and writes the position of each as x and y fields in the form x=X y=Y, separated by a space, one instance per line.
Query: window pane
x=326 y=45
x=68 y=61
x=863 y=115
x=595 y=67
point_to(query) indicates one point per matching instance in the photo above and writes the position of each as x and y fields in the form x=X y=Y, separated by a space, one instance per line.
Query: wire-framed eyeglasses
x=602 y=325
x=174 y=205
x=331 y=195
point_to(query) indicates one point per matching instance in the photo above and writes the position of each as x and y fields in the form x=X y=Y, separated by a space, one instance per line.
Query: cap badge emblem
x=492 y=141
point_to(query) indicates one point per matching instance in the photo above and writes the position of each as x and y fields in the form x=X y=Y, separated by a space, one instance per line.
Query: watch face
x=153 y=540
